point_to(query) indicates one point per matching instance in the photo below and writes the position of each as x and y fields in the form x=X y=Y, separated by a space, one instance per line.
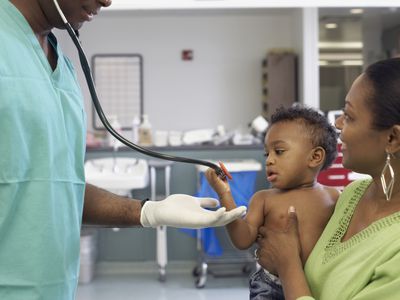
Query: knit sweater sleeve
x=384 y=283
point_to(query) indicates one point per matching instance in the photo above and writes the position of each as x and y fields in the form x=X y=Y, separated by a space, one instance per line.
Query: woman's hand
x=220 y=186
x=280 y=253
x=279 y=249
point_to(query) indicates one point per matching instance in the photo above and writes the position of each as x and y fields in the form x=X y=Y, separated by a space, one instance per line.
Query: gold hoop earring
x=387 y=188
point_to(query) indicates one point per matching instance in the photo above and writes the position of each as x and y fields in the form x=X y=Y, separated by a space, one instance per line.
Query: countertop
x=181 y=148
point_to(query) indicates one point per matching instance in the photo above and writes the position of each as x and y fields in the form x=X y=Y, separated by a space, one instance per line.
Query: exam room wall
x=221 y=85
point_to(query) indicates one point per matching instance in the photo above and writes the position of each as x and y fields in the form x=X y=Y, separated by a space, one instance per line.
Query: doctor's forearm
x=104 y=208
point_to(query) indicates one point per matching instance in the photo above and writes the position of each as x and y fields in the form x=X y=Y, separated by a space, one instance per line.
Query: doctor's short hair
x=320 y=131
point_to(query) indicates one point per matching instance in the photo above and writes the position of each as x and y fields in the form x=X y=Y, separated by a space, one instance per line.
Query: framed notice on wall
x=119 y=84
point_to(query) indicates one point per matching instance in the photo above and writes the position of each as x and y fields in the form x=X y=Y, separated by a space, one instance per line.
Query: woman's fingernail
x=291 y=209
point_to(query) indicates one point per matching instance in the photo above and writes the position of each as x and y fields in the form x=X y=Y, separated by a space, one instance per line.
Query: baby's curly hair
x=321 y=133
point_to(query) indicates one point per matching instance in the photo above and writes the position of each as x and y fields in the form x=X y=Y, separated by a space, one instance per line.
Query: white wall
x=222 y=85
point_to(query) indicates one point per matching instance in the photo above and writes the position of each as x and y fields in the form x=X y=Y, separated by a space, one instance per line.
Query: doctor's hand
x=184 y=211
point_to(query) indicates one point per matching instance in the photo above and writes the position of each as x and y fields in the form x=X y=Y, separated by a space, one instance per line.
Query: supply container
x=175 y=138
x=135 y=129
x=112 y=141
x=145 y=136
x=161 y=138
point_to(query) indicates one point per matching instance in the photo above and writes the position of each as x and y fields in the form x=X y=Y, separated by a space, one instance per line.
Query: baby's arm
x=242 y=232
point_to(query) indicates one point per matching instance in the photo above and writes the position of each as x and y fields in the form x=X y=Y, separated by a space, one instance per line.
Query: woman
x=358 y=254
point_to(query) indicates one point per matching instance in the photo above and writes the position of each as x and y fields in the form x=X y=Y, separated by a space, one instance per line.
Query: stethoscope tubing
x=92 y=89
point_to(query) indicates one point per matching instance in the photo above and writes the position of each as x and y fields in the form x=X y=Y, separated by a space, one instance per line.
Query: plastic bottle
x=145 y=137
x=113 y=142
x=135 y=129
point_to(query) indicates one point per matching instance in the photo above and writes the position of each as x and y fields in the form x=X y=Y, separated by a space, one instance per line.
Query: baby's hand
x=220 y=186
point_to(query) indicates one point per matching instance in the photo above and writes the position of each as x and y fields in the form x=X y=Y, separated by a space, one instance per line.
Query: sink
x=117 y=174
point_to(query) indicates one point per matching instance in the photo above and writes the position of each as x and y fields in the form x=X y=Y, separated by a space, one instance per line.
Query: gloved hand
x=184 y=211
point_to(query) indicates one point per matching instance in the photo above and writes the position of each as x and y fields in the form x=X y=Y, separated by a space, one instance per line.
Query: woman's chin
x=346 y=164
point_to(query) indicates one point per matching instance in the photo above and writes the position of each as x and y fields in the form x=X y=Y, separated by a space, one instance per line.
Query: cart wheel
x=201 y=282
x=196 y=271
x=162 y=276
x=246 y=269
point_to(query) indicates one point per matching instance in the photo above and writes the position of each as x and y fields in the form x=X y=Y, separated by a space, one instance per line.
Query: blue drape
x=242 y=188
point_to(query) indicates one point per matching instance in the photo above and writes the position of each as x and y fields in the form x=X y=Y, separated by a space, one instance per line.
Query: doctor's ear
x=393 y=144
x=317 y=157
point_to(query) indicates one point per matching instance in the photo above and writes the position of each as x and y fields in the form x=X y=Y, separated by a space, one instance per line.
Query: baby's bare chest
x=312 y=212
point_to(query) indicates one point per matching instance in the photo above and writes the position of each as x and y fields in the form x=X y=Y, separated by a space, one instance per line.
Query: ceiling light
x=331 y=25
x=340 y=45
x=356 y=11
x=352 y=62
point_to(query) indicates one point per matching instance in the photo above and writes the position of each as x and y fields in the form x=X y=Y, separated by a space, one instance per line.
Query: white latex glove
x=184 y=211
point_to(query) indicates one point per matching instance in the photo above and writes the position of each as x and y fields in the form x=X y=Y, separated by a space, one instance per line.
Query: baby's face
x=288 y=151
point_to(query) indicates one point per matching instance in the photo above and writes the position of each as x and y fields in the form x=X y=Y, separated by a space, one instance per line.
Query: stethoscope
x=220 y=170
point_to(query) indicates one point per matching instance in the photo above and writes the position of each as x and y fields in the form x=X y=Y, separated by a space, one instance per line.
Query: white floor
x=144 y=284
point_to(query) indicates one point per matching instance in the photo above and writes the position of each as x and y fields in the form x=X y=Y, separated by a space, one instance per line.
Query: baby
x=299 y=144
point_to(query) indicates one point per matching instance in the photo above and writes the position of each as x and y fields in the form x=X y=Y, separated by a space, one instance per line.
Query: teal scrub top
x=42 y=147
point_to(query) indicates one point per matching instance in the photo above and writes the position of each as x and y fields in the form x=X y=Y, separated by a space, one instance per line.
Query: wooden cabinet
x=279 y=81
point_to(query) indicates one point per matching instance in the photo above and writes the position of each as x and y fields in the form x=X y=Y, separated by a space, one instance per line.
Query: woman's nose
x=339 y=122
x=105 y=3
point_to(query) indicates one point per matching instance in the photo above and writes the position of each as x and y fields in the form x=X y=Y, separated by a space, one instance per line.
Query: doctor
x=43 y=195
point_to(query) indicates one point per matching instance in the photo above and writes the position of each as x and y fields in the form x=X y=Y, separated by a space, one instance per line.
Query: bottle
x=145 y=138
x=113 y=142
x=135 y=129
